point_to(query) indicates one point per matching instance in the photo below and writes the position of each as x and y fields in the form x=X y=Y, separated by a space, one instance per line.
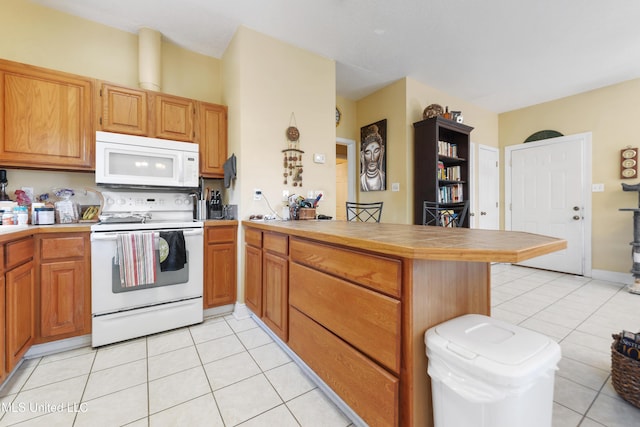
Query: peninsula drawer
x=276 y=243
x=63 y=247
x=376 y=272
x=253 y=237
x=18 y=251
x=365 y=319
x=368 y=389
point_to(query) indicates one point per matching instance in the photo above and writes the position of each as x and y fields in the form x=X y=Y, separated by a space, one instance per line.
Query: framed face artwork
x=373 y=156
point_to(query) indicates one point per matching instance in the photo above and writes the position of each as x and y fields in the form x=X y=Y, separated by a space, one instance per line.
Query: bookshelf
x=441 y=164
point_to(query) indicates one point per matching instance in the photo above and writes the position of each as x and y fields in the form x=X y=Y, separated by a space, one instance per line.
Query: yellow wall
x=402 y=104
x=40 y=36
x=611 y=115
x=388 y=103
x=36 y=35
x=347 y=128
x=265 y=82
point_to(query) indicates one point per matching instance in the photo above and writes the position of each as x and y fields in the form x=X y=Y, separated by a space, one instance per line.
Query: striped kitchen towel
x=136 y=257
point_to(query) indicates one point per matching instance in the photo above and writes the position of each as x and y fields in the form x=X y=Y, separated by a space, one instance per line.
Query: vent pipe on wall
x=149 y=59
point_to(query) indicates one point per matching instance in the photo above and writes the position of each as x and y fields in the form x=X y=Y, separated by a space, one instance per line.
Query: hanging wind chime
x=293 y=155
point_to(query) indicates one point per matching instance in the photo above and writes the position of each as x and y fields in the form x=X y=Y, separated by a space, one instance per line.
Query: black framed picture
x=373 y=156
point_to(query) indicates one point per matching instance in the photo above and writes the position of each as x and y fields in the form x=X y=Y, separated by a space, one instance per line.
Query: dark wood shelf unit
x=427 y=185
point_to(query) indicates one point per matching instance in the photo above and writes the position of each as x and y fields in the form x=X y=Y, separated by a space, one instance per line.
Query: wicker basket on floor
x=625 y=374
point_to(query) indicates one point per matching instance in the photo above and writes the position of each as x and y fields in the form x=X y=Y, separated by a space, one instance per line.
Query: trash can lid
x=502 y=342
x=492 y=348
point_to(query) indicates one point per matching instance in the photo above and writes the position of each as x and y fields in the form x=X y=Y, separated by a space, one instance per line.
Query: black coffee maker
x=3 y=185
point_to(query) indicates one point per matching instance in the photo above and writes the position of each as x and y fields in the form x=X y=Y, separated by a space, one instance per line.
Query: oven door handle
x=114 y=236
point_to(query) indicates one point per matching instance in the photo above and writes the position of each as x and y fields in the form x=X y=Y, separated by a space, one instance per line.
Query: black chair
x=364 y=212
x=445 y=215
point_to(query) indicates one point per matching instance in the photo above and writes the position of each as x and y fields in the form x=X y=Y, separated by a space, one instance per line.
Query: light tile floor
x=226 y=372
x=580 y=314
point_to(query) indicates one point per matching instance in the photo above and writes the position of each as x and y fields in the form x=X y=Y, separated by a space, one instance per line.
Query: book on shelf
x=447 y=149
x=451 y=194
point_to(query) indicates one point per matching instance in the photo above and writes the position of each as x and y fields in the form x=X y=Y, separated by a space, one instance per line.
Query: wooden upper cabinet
x=122 y=110
x=212 y=138
x=174 y=117
x=45 y=118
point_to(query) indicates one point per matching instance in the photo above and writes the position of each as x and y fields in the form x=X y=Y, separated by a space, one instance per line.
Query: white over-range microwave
x=141 y=161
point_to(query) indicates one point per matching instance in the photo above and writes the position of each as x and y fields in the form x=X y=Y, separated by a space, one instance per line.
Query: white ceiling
x=497 y=54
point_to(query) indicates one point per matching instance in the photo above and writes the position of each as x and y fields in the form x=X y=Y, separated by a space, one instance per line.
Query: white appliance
x=137 y=161
x=175 y=298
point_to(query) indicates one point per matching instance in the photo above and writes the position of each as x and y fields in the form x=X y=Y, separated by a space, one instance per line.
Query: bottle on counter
x=7 y=217
x=20 y=215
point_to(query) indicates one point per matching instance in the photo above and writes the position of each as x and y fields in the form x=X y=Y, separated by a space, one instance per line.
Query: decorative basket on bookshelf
x=625 y=374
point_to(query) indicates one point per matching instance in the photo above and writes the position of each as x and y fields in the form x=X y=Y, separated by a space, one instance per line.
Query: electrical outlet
x=257 y=194
x=285 y=195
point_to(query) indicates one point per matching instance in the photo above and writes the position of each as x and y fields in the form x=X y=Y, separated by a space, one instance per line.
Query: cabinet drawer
x=369 y=390
x=253 y=237
x=221 y=234
x=63 y=247
x=365 y=319
x=18 y=252
x=277 y=243
x=376 y=272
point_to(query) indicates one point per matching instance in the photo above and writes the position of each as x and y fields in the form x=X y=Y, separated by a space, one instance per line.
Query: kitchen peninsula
x=353 y=300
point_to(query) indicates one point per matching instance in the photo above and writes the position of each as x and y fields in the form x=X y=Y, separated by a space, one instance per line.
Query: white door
x=488 y=212
x=547 y=186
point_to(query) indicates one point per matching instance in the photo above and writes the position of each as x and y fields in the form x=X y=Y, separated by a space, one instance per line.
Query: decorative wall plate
x=292 y=133
x=543 y=134
x=432 y=110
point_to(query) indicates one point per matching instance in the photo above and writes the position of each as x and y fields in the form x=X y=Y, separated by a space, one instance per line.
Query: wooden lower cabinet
x=220 y=265
x=64 y=308
x=3 y=366
x=253 y=279
x=20 y=312
x=372 y=392
x=267 y=279
x=275 y=296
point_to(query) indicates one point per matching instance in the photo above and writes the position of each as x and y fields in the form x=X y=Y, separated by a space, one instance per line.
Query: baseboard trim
x=53 y=347
x=223 y=310
x=613 y=276
x=241 y=312
x=331 y=395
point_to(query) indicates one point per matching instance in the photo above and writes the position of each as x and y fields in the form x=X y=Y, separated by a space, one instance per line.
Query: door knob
x=472 y=214
x=576 y=217
x=576 y=208
x=482 y=213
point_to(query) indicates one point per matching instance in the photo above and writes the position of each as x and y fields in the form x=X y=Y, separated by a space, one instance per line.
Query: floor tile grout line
x=213 y=396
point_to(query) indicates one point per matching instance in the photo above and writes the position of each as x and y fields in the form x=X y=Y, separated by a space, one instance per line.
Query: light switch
x=319 y=158
x=597 y=188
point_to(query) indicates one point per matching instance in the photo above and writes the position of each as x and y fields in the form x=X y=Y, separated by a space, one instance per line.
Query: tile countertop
x=421 y=242
x=13 y=232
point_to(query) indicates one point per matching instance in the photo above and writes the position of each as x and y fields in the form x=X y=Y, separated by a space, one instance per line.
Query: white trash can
x=490 y=373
